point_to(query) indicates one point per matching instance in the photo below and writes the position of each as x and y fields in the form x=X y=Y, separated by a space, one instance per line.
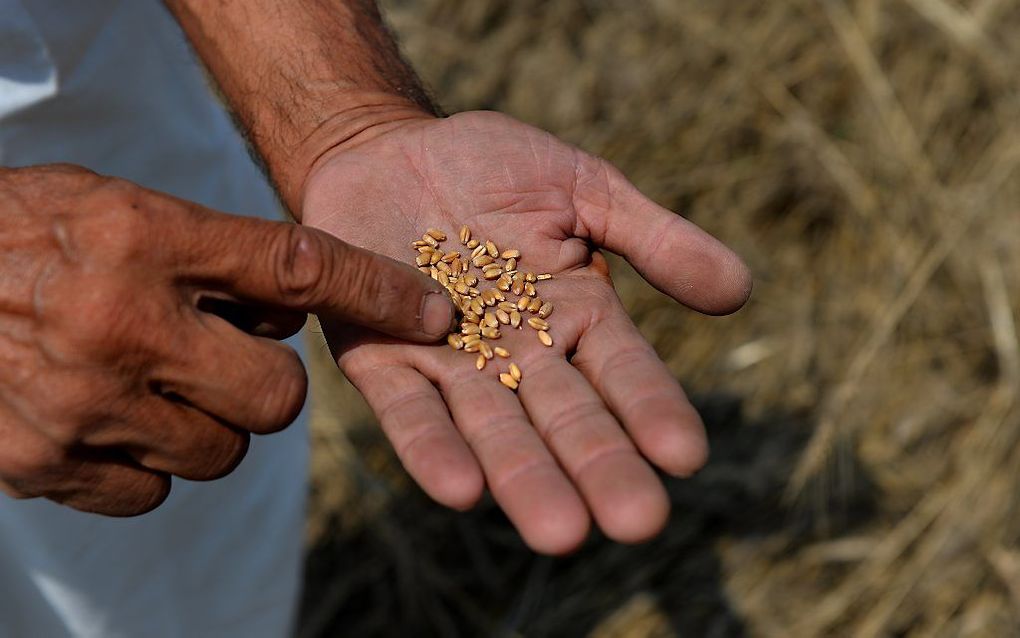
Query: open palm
x=595 y=411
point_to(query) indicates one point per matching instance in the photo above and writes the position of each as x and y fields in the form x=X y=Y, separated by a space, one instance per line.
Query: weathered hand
x=137 y=333
x=595 y=411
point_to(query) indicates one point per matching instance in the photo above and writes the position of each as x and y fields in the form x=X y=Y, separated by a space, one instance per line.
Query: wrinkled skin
x=138 y=333
x=596 y=412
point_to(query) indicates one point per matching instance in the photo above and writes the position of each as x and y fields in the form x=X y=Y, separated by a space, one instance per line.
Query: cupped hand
x=137 y=333
x=597 y=411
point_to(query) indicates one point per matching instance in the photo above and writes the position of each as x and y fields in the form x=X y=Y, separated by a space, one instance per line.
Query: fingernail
x=437 y=314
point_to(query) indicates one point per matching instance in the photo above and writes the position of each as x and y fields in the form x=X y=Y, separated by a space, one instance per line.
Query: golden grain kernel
x=461 y=288
x=511 y=253
x=522 y=303
x=503 y=284
x=465 y=234
x=515 y=319
x=470 y=315
x=498 y=294
x=470 y=329
x=470 y=280
x=489 y=275
x=490 y=320
x=473 y=346
x=437 y=234
x=482 y=261
x=530 y=276
x=477 y=252
x=472 y=338
x=502 y=316
x=501 y=352
x=517 y=288
x=472 y=244
x=455 y=341
x=425 y=270
x=510 y=265
x=508 y=381
x=435 y=257
x=430 y=240
x=491 y=248
x=434 y=272
x=418 y=243
x=529 y=289
x=443 y=279
x=477 y=307
x=480 y=361
x=474 y=292
x=545 y=309
x=425 y=249
x=515 y=372
x=491 y=333
x=506 y=305
x=543 y=276
x=486 y=350
x=545 y=338
x=444 y=267
x=538 y=324
x=535 y=305
x=422 y=259
x=449 y=257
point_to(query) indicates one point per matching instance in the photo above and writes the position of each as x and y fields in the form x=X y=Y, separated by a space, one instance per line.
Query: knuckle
x=147 y=492
x=117 y=224
x=282 y=396
x=301 y=262
x=227 y=456
x=97 y=318
x=33 y=466
x=67 y=407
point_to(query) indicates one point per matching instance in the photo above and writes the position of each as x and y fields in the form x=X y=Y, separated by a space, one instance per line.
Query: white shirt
x=111 y=85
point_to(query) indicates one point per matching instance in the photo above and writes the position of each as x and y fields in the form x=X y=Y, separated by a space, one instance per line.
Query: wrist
x=350 y=122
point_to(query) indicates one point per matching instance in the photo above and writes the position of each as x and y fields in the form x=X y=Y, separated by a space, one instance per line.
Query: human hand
x=595 y=412
x=137 y=333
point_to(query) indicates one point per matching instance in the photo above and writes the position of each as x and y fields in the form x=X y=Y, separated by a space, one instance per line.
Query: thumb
x=671 y=253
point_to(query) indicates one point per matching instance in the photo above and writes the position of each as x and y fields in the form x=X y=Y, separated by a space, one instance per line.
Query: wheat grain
x=508 y=381
x=538 y=324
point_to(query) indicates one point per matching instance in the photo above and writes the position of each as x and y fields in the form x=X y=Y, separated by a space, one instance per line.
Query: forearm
x=303 y=76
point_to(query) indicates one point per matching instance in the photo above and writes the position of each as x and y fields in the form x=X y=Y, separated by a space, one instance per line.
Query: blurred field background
x=862 y=155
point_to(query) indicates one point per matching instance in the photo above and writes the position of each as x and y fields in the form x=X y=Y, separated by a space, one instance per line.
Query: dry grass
x=863 y=156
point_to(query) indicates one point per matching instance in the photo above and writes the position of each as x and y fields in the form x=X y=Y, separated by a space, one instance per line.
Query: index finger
x=289 y=266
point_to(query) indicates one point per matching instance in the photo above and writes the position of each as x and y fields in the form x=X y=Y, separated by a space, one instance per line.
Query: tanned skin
x=358 y=152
